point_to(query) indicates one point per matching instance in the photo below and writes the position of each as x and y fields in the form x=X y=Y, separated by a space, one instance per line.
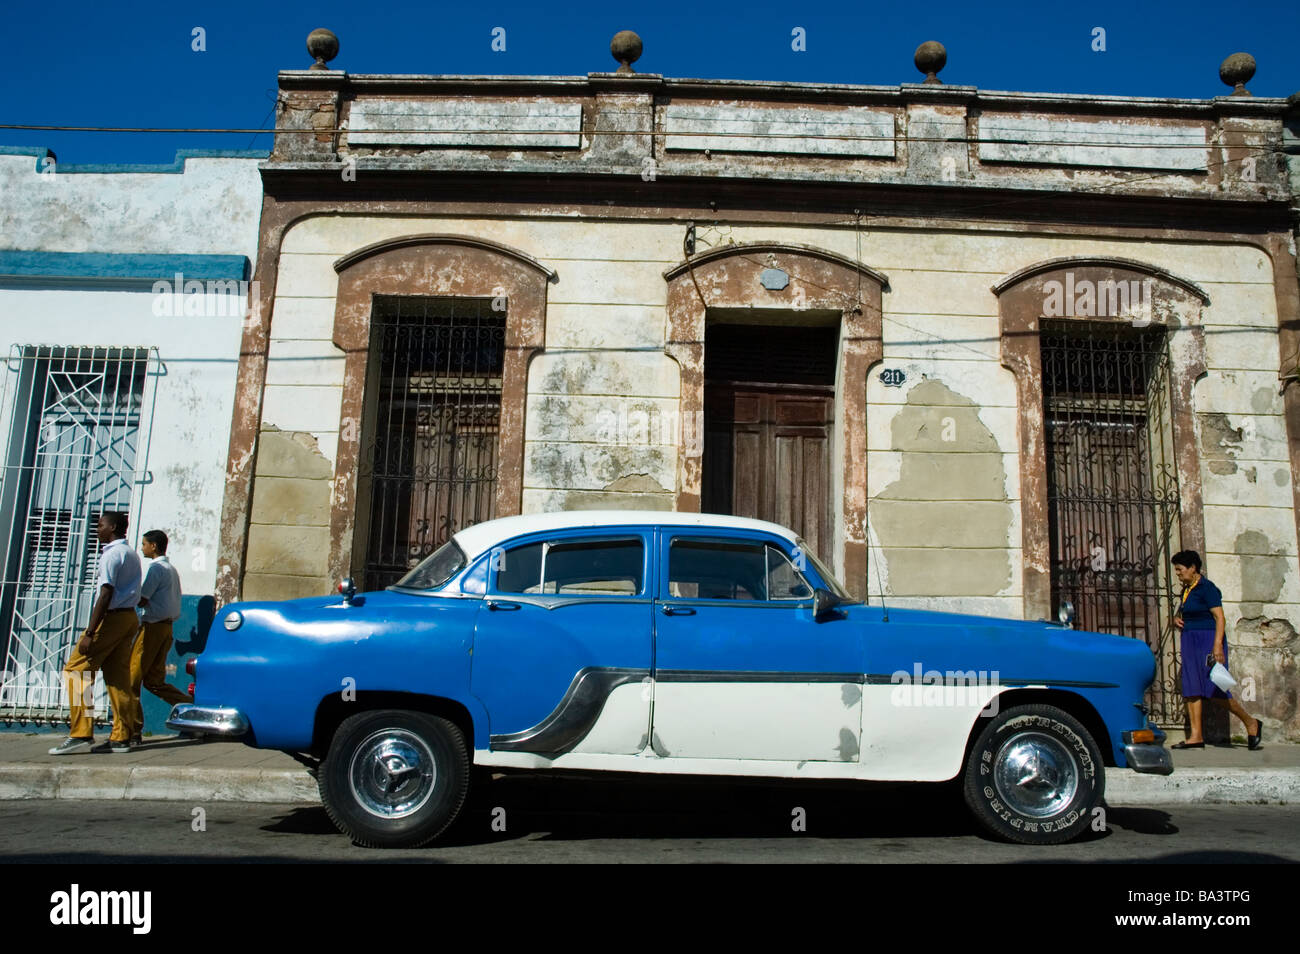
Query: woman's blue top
x=1203 y=597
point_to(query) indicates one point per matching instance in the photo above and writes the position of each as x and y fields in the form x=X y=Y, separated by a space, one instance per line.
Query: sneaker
x=137 y=740
x=71 y=746
x=113 y=745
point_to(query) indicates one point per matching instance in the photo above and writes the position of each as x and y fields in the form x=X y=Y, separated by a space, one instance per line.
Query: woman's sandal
x=1188 y=745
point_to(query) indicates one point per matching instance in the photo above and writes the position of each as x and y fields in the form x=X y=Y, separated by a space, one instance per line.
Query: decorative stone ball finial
x=323 y=46
x=1236 y=72
x=930 y=57
x=626 y=48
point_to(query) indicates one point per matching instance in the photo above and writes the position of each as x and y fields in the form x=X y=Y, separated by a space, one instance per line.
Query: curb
x=156 y=783
x=1226 y=786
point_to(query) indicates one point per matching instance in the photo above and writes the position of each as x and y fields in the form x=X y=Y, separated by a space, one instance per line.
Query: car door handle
x=677 y=610
x=497 y=605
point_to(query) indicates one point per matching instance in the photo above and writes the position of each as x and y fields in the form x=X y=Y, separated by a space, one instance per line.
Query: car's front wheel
x=1034 y=776
x=394 y=778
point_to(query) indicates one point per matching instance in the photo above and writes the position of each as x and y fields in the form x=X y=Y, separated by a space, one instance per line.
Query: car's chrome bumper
x=1149 y=758
x=227 y=723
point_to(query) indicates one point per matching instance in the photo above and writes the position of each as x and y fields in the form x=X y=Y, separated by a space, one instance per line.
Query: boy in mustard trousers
x=105 y=644
x=160 y=596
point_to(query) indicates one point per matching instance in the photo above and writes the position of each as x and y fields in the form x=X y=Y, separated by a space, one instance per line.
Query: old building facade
x=986 y=351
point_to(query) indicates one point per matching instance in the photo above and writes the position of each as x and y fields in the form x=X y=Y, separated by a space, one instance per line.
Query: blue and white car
x=668 y=643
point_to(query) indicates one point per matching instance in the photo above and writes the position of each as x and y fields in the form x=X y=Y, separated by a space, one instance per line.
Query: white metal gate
x=75 y=447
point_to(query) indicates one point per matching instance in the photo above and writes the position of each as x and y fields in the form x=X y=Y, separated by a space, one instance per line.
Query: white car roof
x=482 y=537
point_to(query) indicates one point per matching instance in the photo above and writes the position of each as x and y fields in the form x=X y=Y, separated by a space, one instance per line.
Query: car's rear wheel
x=1034 y=776
x=394 y=778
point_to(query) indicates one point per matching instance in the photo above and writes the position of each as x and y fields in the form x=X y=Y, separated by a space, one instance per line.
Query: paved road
x=563 y=820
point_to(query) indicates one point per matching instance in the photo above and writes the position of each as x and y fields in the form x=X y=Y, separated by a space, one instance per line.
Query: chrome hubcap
x=1035 y=774
x=392 y=773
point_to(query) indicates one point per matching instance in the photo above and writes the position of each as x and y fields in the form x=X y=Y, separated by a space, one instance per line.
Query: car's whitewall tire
x=1034 y=776
x=394 y=778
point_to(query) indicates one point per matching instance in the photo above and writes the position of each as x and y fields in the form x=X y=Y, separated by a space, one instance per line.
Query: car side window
x=573 y=568
x=783 y=580
x=474 y=582
x=519 y=570
x=732 y=570
x=716 y=570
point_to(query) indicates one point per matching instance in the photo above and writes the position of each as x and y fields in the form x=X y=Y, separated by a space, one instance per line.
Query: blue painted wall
x=189 y=634
x=177 y=165
x=31 y=263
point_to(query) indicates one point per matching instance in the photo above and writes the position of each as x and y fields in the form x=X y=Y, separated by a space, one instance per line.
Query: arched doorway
x=808 y=433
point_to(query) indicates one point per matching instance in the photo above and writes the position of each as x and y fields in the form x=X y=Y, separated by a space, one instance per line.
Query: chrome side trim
x=745 y=675
x=228 y=723
x=551 y=602
x=571 y=720
x=880 y=679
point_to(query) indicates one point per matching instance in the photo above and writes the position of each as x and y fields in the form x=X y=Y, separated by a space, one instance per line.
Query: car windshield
x=824 y=572
x=439 y=567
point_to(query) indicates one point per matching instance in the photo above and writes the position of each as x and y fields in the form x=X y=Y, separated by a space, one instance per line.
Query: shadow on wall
x=189 y=637
x=205 y=610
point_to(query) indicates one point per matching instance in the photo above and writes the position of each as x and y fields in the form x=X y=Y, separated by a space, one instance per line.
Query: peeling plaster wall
x=1250 y=529
x=602 y=397
x=289 y=522
x=211 y=207
x=945 y=524
x=188 y=426
x=620 y=451
x=289 y=527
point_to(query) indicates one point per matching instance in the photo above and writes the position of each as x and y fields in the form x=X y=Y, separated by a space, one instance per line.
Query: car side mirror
x=824 y=603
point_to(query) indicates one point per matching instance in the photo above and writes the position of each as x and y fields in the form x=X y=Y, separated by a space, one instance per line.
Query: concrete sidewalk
x=165 y=768
x=168 y=768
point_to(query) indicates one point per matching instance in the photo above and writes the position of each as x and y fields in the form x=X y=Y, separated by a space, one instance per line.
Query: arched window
x=1105 y=353
x=438 y=331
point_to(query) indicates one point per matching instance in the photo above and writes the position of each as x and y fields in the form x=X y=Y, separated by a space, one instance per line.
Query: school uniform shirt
x=162 y=588
x=1202 y=598
x=119 y=567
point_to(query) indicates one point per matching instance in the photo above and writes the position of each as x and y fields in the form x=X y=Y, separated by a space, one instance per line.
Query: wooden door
x=767 y=454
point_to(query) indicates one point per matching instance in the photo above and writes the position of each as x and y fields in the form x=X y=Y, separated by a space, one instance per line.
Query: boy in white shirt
x=160 y=598
x=105 y=644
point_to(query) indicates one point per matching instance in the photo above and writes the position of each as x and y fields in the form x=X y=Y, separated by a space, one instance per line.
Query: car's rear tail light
x=190 y=690
x=189 y=666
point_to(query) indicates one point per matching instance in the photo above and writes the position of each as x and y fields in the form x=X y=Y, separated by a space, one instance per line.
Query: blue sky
x=102 y=64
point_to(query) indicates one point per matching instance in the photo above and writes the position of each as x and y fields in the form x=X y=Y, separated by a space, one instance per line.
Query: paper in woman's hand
x=1220 y=676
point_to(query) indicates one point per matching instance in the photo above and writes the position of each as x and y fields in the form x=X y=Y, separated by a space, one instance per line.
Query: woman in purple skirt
x=1203 y=644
